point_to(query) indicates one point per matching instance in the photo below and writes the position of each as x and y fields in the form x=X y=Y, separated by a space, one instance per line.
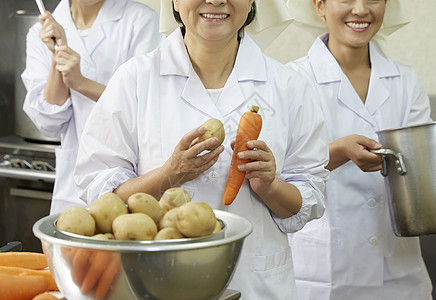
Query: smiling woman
x=209 y=68
x=357 y=254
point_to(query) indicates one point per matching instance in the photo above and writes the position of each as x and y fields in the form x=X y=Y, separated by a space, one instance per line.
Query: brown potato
x=168 y=233
x=76 y=220
x=196 y=219
x=214 y=128
x=169 y=219
x=105 y=209
x=173 y=197
x=136 y=226
x=145 y=203
x=217 y=228
x=104 y=236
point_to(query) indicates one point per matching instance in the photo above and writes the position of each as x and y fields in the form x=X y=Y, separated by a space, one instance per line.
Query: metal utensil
x=14 y=246
x=42 y=10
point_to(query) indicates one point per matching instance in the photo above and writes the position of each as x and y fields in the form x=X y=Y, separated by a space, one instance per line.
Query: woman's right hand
x=51 y=31
x=186 y=163
x=356 y=148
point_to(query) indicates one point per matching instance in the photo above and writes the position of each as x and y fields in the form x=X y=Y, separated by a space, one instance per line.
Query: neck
x=83 y=14
x=212 y=61
x=350 y=58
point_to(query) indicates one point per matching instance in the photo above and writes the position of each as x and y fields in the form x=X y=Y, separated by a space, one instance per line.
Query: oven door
x=23 y=201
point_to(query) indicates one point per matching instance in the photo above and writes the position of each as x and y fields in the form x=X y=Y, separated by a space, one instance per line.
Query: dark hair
x=250 y=18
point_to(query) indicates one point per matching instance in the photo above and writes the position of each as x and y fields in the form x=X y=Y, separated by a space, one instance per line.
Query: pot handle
x=399 y=161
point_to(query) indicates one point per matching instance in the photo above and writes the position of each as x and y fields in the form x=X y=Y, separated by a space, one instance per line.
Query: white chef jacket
x=155 y=99
x=122 y=29
x=352 y=252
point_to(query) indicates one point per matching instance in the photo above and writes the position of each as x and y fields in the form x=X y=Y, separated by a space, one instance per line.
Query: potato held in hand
x=105 y=209
x=76 y=220
x=136 y=226
x=196 y=219
x=214 y=128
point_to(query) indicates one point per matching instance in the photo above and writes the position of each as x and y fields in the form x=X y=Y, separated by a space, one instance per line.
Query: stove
x=26 y=160
x=27 y=176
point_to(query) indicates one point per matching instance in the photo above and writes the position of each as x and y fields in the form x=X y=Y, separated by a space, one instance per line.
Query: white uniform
x=352 y=252
x=155 y=99
x=121 y=30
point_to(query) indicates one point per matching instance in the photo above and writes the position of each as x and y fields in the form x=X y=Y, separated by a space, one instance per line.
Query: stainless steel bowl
x=93 y=269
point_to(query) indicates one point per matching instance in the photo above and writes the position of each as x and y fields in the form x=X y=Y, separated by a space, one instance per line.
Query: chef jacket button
x=373 y=240
x=372 y=202
x=213 y=176
x=367 y=126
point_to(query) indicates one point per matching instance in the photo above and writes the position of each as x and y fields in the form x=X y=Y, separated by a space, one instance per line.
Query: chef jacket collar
x=112 y=10
x=175 y=59
x=327 y=69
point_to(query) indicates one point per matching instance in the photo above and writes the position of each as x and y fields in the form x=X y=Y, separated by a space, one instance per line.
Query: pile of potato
x=144 y=218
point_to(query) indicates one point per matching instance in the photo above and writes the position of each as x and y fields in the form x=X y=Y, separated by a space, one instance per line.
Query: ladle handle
x=399 y=161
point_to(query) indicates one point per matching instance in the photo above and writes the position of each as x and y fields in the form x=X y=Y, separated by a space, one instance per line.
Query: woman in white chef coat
x=352 y=252
x=139 y=137
x=63 y=85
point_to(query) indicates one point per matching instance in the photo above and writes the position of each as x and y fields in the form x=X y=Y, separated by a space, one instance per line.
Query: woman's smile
x=214 y=17
x=358 y=25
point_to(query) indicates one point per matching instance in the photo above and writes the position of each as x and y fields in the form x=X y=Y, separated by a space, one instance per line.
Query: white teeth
x=214 y=16
x=358 y=25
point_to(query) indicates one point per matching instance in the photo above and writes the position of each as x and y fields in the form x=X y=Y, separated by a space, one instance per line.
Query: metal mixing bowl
x=83 y=268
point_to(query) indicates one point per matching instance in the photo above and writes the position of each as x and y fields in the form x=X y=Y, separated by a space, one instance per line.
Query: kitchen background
x=414 y=44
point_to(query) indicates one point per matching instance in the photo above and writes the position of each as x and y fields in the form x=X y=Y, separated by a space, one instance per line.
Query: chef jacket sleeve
x=420 y=110
x=50 y=119
x=145 y=35
x=306 y=157
x=107 y=155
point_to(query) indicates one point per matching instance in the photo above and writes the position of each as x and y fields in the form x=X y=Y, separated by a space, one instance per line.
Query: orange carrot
x=29 y=260
x=249 y=128
x=45 y=296
x=99 y=261
x=68 y=254
x=21 y=287
x=24 y=271
x=107 y=277
x=80 y=265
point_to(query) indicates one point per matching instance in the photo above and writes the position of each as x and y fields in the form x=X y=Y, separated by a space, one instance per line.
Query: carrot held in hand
x=248 y=129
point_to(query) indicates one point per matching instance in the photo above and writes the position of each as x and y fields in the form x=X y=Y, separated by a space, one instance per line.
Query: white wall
x=414 y=44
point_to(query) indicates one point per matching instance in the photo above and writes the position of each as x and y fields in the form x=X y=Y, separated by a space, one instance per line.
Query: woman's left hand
x=261 y=170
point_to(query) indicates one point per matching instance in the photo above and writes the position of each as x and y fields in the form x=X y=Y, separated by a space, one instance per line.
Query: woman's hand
x=51 y=31
x=356 y=148
x=261 y=170
x=186 y=163
x=68 y=63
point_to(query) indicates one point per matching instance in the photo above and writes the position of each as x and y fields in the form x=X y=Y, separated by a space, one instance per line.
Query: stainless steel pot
x=409 y=168
x=24 y=127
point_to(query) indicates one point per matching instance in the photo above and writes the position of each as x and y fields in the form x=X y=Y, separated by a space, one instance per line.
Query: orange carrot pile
x=249 y=128
x=24 y=275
